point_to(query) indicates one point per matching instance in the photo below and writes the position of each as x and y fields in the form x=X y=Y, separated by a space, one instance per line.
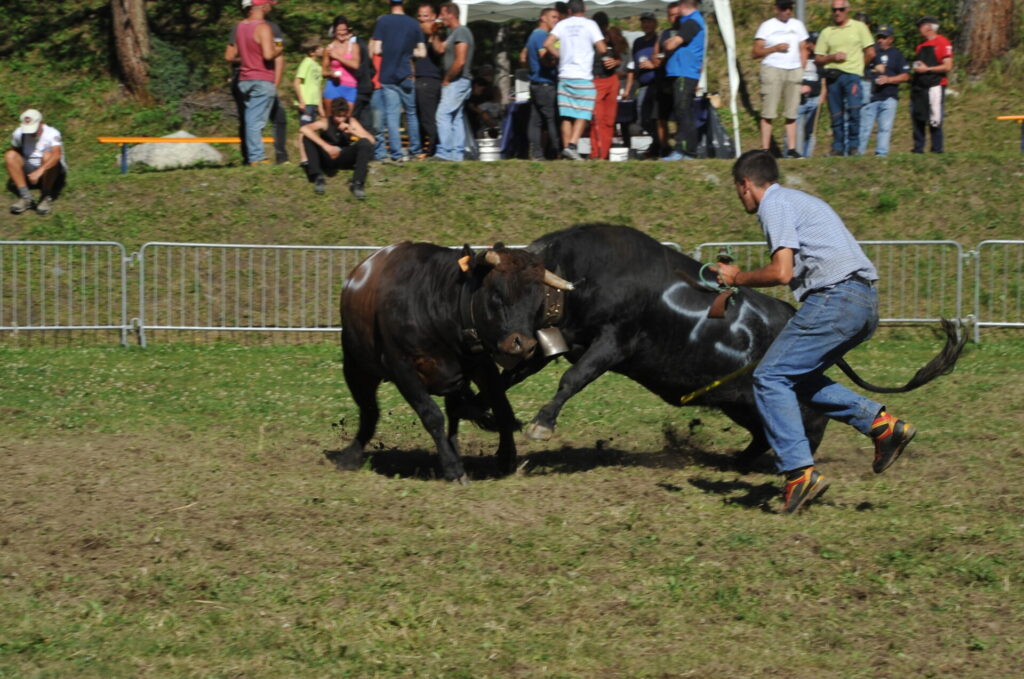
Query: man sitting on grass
x=337 y=142
x=35 y=160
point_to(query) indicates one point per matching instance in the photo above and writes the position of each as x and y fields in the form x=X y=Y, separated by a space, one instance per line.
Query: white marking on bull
x=737 y=332
x=363 y=271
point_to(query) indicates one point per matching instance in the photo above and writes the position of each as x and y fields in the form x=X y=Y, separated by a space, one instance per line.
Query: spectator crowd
x=351 y=93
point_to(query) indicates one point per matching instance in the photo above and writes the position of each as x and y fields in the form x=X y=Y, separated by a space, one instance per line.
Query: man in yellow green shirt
x=844 y=49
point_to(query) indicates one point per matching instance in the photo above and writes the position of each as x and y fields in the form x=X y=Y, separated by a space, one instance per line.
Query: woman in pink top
x=341 y=62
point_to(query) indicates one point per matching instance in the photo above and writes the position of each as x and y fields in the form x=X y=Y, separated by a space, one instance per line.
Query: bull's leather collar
x=470 y=337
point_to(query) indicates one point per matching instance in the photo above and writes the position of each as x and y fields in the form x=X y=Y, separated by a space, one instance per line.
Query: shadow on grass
x=739 y=492
x=423 y=464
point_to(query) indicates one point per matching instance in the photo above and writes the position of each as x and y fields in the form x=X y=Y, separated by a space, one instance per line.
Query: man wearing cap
x=257 y=51
x=35 y=159
x=933 y=60
x=885 y=72
x=844 y=49
x=397 y=38
x=779 y=44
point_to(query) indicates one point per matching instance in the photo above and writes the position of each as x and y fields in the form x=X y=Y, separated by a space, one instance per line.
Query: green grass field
x=168 y=512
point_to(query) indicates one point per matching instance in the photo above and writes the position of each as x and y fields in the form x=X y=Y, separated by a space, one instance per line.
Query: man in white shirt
x=573 y=41
x=35 y=159
x=779 y=44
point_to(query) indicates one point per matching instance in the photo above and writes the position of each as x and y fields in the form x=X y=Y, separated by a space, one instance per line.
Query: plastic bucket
x=617 y=154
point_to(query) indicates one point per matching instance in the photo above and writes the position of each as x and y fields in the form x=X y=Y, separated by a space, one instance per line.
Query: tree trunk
x=986 y=32
x=131 y=38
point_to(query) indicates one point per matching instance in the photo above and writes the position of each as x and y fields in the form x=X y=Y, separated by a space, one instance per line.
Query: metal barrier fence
x=64 y=285
x=921 y=281
x=269 y=288
x=998 y=285
x=84 y=285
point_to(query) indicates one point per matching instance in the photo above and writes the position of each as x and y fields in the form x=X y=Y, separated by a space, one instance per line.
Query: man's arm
x=374 y=47
x=549 y=45
x=420 y=51
x=760 y=51
x=869 y=55
x=778 y=272
x=684 y=34
x=50 y=158
x=357 y=130
x=461 y=52
x=265 y=39
x=231 y=53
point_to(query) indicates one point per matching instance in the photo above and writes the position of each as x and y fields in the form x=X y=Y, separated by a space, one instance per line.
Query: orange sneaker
x=891 y=436
x=801 y=490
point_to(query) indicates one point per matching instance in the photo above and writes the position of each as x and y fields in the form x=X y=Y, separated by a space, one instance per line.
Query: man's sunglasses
x=840 y=9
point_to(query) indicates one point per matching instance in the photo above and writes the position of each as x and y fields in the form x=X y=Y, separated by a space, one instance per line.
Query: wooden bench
x=1019 y=119
x=125 y=142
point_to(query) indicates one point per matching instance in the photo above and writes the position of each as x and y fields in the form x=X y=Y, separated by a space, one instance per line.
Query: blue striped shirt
x=824 y=250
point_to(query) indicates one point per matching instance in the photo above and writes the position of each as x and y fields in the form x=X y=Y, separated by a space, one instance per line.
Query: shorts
x=309 y=114
x=576 y=98
x=780 y=84
x=332 y=92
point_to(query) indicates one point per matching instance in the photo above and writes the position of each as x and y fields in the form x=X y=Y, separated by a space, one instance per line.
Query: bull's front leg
x=416 y=394
x=491 y=386
x=604 y=353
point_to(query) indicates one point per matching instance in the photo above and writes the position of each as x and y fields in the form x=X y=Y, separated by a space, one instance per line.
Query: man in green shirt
x=844 y=49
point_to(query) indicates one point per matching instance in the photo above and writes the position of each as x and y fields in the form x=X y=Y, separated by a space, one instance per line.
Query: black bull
x=434 y=320
x=636 y=311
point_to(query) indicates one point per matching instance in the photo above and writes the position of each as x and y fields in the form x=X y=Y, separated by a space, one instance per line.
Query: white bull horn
x=556 y=281
x=492 y=258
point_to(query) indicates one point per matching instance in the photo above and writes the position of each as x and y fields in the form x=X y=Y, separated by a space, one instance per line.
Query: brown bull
x=434 y=321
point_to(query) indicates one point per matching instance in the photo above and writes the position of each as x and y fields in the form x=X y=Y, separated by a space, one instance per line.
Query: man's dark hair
x=783 y=5
x=339 y=106
x=562 y=8
x=449 y=8
x=758 y=166
x=576 y=7
x=672 y=5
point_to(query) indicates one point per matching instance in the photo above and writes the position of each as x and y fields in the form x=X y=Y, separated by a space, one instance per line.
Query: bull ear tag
x=464 y=263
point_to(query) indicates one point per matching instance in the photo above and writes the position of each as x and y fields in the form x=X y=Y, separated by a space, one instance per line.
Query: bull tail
x=942 y=364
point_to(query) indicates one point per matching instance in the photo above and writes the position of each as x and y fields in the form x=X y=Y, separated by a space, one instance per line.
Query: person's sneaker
x=357 y=190
x=891 y=436
x=265 y=161
x=792 y=153
x=571 y=153
x=319 y=184
x=802 y=490
x=674 y=157
x=44 y=206
x=21 y=205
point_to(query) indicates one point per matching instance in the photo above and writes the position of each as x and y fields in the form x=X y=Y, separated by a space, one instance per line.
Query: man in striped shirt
x=815 y=254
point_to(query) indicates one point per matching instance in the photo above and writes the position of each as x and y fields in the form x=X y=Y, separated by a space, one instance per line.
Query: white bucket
x=486 y=143
x=617 y=154
x=488 y=155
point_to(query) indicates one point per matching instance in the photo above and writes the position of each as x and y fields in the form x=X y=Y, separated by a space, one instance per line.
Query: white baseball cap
x=30 y=120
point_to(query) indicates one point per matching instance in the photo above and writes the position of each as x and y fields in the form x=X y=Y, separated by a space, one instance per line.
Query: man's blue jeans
x=451 y=127
x=396 y=98
x=885 y=113
x=380 y=151
x=259 y=97
x=827 y=325
x=806 y=118
x=845 y=101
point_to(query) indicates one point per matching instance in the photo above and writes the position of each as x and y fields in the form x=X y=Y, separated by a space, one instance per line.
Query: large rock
x=166 y=156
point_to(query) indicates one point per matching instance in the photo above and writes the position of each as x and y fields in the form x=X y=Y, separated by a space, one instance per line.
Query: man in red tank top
x=255 y=47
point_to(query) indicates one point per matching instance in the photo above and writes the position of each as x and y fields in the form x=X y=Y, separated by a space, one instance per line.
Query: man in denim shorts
x=815 y=254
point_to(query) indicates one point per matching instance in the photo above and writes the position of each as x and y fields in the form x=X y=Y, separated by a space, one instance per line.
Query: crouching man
x=815 y=254
x=338 y=142
x=35 y=160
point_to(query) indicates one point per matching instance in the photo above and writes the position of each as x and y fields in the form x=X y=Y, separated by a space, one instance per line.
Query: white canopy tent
x=529 y=10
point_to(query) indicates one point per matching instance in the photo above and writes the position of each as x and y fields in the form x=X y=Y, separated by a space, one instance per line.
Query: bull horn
x=556 y=281
x=492 y=258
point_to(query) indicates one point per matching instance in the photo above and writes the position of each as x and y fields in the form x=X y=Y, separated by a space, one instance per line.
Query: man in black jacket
x=338 y=142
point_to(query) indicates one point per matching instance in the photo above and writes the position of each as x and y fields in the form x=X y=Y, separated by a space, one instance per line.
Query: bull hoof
x=345 y=460
x=538 y=432
x=462 y=480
